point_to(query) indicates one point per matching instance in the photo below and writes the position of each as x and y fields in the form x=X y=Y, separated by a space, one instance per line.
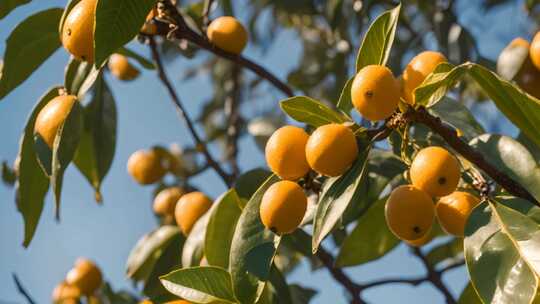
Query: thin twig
x=22 y=290
x=206 y=13
x=434 y=276
x=185 y=116
x=232 y=112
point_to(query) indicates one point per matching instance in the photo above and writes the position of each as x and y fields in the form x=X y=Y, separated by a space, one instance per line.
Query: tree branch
x=434 y=276
x=22 y=290
x=185 y=116
x=232 y=111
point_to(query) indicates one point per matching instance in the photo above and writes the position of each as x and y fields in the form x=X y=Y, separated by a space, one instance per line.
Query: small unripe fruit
x=63 y=292
x=409 y=213
x=286 y=152
x=534 y=51
x=375 y=92
x=453 y=211
x=331 y=149
x=146 y=167
x=283 y=207
x=78 y=30
x=85 y=275
x=435 y=171
x=121 y=68
x=52 y=116
x=228 y=34
x=189 y=209
x=417 y=70
x=166 y=199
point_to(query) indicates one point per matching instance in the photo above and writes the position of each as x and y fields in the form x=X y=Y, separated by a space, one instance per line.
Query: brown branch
x=434 y=276
x=185 y=116
x=206 y=13
x=232 y=111
x=22 y=290
x=450 y=136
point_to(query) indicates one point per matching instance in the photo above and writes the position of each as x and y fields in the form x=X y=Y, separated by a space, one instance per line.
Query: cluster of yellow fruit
x=82 y=280
x=148 y=167
x=410 y=211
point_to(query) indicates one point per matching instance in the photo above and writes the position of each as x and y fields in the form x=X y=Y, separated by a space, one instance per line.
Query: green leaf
x=280 y=286
x=250 y=243
x=458 y=116
x=446 y=252
x=377 y=43
x=301 y=295
x=80 y=77
x=529 y=145
x=6 y=6
x=336 y=195
x=32 y=184
x=8 y=174
x=96 y=149
x=345 y=100
x=437 y=84
x=370 y=239
x=220 y=229
x=193 y=251
x=501 y=249
x=145 y=63
x=310 y=111
x=248 y=183
x=200 y=284
x=28 y=46
x=117 y=22
x=469 y=296
x=512 y=158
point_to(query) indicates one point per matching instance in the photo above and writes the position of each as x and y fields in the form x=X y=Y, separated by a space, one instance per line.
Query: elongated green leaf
x=248 y=183
x=147 y=251
x=220 y=229
x=96 y=149
x=458 y=116
x=310 y=111
x=28 y=46
x=280 y=286
x=446 y=252
x=501 y=248
x=336 y=195
x=80 y=77
x=6 y=6
x=252 y=249
x=345 y=100
x=522 y=109
x=32 y=184
x=147 y=64
x=117 y=22
x=370 y=239
x=511 y=157
x=200 y=284
x=193 y=251
x=377 y=43
x=529 y=145
x=469 y=296
x=64 y=148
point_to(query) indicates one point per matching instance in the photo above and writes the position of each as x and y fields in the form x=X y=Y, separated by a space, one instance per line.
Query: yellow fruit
x=423 y=240
x=64 y=291
x=534 y=51
x=286 y=152
x=149 y=28
x=121 y=68
x=78 y=30
x=417 y=70
x=283 y=207
x=52 y=116
x=146 y=167
x=166 y=199
x=453 y=211
x=85 y=275
x=409 y=213
x=435 y=171
x=189 y=209
x=375 y=92
x=228 y=34
x=331 y=149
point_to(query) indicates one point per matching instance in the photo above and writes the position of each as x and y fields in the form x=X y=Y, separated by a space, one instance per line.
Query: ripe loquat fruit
x=286 y=152
x=52 y=116
x=283 y=207
x=121 y=68
x=78 y=30
x=331 y=149
x=85 y=275
x=435 y=171
x=409 y=213
x=64 y=291
x=146 y=167
x=165 y=201
x=453 y=211
x=228 y=34
x=375 y=92
x=417 y=70
x=534 y=50
x=189 y=209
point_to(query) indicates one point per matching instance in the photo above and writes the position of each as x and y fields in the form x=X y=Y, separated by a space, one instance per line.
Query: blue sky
x=107 y=233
